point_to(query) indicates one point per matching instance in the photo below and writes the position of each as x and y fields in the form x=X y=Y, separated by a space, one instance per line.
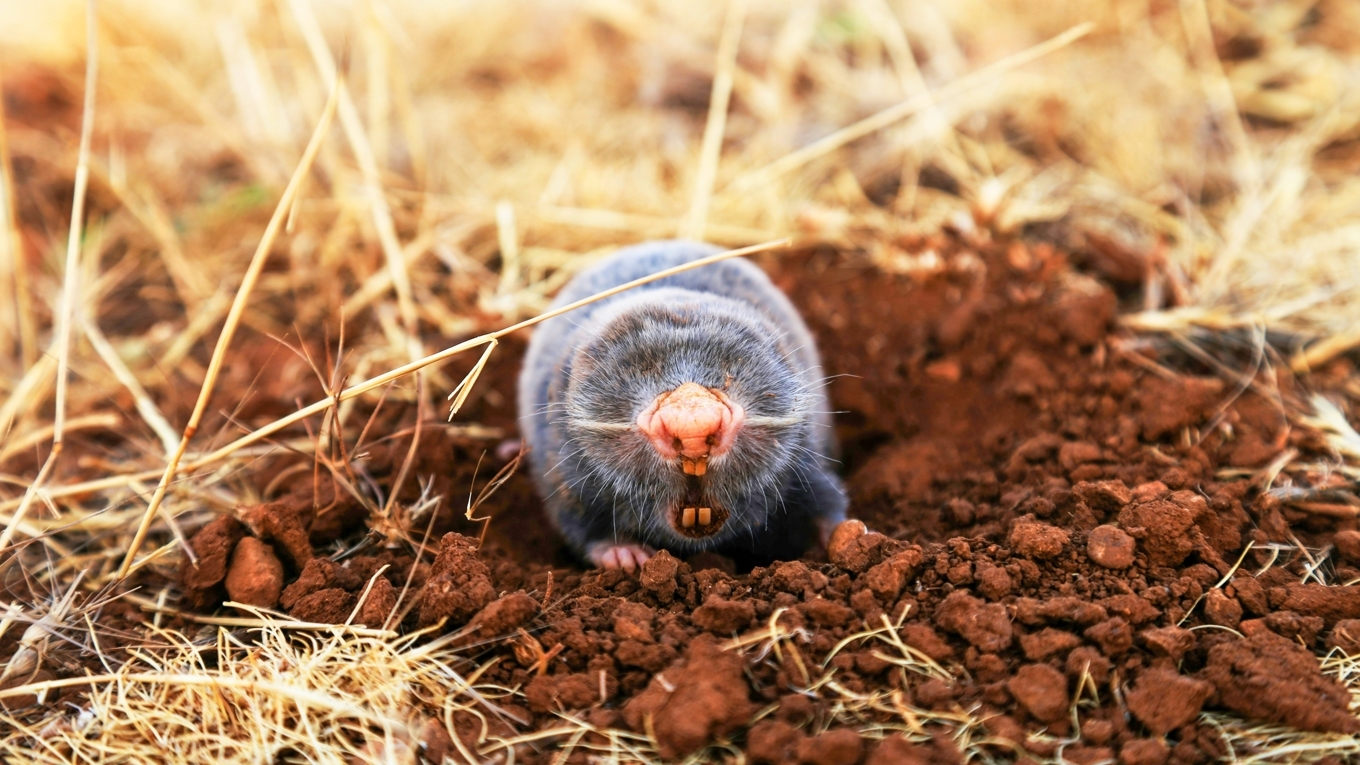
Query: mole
x=687 y=414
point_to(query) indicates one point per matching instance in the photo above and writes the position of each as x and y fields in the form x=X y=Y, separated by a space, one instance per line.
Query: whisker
x=596 y=426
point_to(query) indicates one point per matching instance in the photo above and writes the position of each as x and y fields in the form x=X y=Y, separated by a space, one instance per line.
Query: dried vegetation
x=260 y=243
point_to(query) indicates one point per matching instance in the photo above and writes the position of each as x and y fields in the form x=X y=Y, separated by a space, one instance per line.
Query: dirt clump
x=1346 y=637
x=1048 y=642
x=773 y=742
x=723 y=617
x=1105 y=497
x=1222 y=609
x=1164 y=700
x=377 y=604
x=329 y=606
x=212 y=546
x=896 y=750
x=841 y=746
x=838 y=546
x=1269 y=677
x=1037 y=540
x=702 y=696
x=1041 y=690
x=504 y=615
x=1144 y=751
x=284 y=527
x=658 y=575
x=1165 y=527
x=1114 y=636
x=858 y=552
x=1348 y=545
x=986 y=626
x=1333 y=604
x=319 y=574
x=1171 y=641
x=1167 y=406
x=255 y=576
x=459 y=584
x=547 y=693
x=927 y=641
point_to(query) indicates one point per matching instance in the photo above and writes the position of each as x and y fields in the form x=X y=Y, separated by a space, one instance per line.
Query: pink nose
x=692 y=423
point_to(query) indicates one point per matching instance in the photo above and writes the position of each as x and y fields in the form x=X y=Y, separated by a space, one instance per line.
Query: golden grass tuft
x=328 y=693
x=324 y=693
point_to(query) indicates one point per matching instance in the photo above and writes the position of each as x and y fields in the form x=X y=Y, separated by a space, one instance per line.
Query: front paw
x=613 y=555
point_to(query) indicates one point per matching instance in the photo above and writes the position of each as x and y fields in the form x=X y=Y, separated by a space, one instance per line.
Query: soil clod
x=1269 y=677
x=256 y=576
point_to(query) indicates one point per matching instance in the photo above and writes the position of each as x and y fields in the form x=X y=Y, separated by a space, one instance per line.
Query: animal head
x=687 y=412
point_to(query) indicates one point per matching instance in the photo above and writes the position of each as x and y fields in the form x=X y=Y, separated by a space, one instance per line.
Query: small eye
x=676 y=445
x=711 y=440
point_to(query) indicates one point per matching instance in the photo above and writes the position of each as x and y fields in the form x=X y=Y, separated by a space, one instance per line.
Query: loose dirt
x=1057 y=545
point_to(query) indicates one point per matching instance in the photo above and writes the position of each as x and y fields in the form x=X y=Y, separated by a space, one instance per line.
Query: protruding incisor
x=687 y=517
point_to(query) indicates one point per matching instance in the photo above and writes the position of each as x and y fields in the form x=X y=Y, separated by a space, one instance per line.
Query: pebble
x=1111 y=547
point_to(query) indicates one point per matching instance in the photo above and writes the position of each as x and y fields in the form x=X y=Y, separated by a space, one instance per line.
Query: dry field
x=1085 y=276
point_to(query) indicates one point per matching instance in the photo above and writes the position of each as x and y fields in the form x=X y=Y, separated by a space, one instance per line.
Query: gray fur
x=588 y=374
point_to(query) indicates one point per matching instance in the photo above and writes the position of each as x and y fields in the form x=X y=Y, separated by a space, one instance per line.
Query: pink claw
x=629 y=557
x=508 y=449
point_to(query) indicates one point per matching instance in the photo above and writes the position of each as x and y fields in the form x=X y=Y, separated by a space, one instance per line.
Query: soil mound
x=1052 y=518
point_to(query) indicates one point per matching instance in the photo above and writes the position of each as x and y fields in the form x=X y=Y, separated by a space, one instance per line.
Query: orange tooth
x=695 y=466
x=705 y=516
x=687 y=517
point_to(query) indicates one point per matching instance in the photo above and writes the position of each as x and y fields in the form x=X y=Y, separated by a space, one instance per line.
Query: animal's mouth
x=697 y=516
x=698 y=522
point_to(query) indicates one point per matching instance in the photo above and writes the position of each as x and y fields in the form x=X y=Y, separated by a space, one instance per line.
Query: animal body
x=686 y=414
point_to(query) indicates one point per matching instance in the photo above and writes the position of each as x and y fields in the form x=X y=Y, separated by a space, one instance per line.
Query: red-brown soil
x=1053 y=518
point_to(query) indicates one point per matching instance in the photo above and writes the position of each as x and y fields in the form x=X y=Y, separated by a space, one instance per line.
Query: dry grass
x=321 y=693
x=1205 y=153
x=325 y=693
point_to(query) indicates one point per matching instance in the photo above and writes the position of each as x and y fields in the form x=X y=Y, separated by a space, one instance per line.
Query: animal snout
x=692 y=424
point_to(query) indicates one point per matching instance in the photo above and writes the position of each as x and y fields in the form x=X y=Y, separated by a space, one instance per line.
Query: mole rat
x=685 y=414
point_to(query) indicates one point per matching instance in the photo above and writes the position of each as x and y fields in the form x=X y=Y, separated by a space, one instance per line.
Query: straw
x=70 y=289
x=238 y=306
